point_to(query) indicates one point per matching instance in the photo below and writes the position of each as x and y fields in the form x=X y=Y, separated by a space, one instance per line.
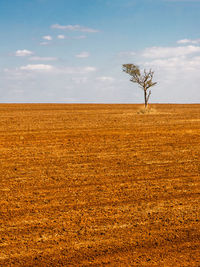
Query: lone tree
x=144 y=80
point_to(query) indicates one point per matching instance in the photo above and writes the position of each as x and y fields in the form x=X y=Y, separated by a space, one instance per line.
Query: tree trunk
x=145 y=98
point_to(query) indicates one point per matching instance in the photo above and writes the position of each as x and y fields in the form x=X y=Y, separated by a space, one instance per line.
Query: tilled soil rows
x=98 y=184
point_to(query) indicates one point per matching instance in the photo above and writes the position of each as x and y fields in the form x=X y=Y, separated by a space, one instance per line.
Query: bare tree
x=143 y=80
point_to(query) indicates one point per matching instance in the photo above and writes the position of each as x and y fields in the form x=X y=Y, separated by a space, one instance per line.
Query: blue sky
x=68 y=51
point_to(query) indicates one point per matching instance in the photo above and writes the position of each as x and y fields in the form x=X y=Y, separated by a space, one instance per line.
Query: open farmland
x=92 y=185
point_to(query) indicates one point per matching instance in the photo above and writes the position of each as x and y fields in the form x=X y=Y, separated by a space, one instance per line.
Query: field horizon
x=97 y=103
x=99 y=184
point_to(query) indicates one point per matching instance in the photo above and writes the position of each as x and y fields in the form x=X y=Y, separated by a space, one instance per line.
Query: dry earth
x=95 y=185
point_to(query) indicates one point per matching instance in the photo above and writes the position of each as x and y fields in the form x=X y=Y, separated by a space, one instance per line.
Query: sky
x=72 y=51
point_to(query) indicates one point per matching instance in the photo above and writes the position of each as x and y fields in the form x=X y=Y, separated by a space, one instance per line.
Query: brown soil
x=94 y=185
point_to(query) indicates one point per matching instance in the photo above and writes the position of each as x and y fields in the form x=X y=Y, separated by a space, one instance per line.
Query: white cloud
x=89 y=69
x=79 y=80
x=43 y=58
x=54 y=70
x=105 y=79
x=164 y=52
x=76 y=70
x=44 y=43
x=23 y=53
x=177 y=64
x=37 y=67
x=15 y=74
x=61 y=36
x=73 y=28
x=177 y=72
x=83 y=55
x=47 y=37
x=188 y=41
x=175 y=59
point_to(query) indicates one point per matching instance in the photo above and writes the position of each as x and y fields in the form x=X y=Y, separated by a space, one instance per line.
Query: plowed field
x=94 y=185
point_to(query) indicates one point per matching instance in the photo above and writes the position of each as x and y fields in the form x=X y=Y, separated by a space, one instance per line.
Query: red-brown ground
x=95 y=185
